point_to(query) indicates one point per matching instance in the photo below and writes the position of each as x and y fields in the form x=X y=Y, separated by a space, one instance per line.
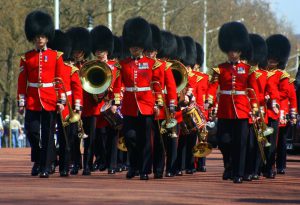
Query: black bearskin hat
x=181 y=51
x=61 y=42
x=233 y=36
x=81 y=40
x=259 y=48
x=156 y=38
x=137 y=33
x=191 y=52
x=39 y=23
x=117 y=51
x=102 y=39
x=279 y=48
x=200 y=54
x=169 y=46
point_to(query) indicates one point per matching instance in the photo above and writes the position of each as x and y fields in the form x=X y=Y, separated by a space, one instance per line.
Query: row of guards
x=145 y=95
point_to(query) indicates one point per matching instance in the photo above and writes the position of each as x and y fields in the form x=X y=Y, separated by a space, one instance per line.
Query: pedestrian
x=16 y=130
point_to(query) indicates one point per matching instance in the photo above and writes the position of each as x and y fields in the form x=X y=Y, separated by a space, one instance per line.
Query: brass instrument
x=169 y=124
x=180 y=75
x=260 y=128
x=73 y=117
x=121 y=144
x=203 y=148
x=96 y=78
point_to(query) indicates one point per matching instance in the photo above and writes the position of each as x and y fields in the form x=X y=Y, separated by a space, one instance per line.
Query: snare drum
x=115 y=120
x=193 y=119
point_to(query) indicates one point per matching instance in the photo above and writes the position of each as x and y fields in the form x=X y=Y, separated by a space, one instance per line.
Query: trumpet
x=203 y=148
x=260 y=128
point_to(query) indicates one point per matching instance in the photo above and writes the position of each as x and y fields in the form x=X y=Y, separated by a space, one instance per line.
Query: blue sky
x=288 y=9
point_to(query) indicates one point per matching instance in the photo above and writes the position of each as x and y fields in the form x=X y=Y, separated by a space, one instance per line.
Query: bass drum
x=193 y=119
x=115 y=120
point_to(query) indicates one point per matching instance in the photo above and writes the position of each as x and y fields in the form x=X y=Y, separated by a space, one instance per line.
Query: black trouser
x=201 y=162
x=232 y=141
x=36 y=121
x=75 y=145
x=64 y=147
x=137 y=132
x=89 y=126
x=100 y=151
x=251 y=155
x=271 y=151
x=107 y=151
x=171 y=144
x=158 y=149
x=281 y=146
x=181 y=152
x=190 y=143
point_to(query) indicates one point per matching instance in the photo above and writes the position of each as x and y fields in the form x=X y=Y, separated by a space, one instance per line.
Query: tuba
x=96 y=78
x=180 y=75
x=260 y=128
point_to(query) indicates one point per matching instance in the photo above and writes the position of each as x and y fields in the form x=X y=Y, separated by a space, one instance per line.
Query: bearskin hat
x=169 y=46
x=137 y=33
x=181 y=51
x=260 y=50
x=102 y=39
x=117 y=51
x=200 y=54
x=38 y=23
x=279 y=48
x=233 y=36
x=81 y=40
x=156 y=38
x=61 y=42
x=191 y=52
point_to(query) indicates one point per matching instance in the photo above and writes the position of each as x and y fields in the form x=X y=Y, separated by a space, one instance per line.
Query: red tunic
x=35 y=82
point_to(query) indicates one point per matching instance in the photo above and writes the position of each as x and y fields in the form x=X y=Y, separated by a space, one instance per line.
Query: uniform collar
x=41 y=50
x=234 y=63
x=136 y=58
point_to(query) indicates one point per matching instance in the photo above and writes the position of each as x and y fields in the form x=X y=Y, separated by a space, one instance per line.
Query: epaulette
x=117 y=65
x=190 y=73
x=216 y=69
x=59 y=54
x=209 y=78
x=284 y=75
x=291 y=80
x=168 y=65
x=199 y=78
x=270 y=73
x=23 y=58
x=252 y=69
x=156 y=64
x=257 y=74
x=74 y=68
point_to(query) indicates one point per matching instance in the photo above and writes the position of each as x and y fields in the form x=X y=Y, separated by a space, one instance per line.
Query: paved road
x=18 y=187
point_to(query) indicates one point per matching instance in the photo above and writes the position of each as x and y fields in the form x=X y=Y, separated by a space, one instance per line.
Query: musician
x=136 y=73
x=72 y=84
x=288 y=113
x=163 y=143
x=257 y=61
x=102 y=47
x=202 y=80
x=81 y=48
x=277 y=89
x=233 y=77
x=36 y=93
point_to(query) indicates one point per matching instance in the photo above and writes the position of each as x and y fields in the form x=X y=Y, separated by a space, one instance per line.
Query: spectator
x=6 y=130
x=16 y=129
x=1 y=130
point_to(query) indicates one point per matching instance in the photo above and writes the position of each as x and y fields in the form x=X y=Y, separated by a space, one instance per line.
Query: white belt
x=232 y=92
x=137 y=89
x=40 y=85
x=69 y=92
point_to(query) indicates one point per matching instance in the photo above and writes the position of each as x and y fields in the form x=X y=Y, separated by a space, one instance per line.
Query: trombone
x=261 y=130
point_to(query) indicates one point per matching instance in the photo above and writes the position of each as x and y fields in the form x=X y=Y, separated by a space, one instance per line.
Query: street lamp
x=109 y=14
x=90 y=22
x=56 y=14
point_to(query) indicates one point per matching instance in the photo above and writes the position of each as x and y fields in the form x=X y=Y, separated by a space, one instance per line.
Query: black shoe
x=130 y=174
x=144 y=177
x=237 y=180
x=86 y=172
x=95 y=166
x=269 y=175
x=119 y=169
x=179 y=173
x=64 y=173
x=247 y=178
x=169 y=174
x=280 y=171
x=189 y=171
x=255 y=177
x=158 y=175
x=35 y=169
x=74 y=170
x=201 y=169
x=102 y=167
x=124 y=168
x=44 y=174
x=137 y=173
x=111 y=171
x=227 y=174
